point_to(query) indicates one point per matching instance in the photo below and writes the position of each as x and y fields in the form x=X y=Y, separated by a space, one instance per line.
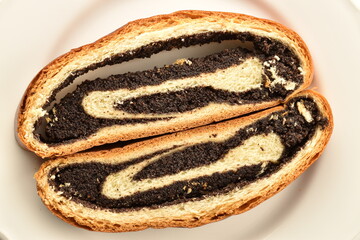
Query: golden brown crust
x=254 y=194
x=40 y=88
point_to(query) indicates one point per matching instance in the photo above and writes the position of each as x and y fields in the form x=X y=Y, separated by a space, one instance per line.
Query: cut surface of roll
x=268 y=64
x=189 y=178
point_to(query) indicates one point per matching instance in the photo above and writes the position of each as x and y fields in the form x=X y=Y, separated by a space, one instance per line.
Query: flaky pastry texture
x=135 y=35
x=194 y=211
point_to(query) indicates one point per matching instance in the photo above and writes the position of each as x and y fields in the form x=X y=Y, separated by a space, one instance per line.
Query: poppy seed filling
x=294 y=126
x=67 y=120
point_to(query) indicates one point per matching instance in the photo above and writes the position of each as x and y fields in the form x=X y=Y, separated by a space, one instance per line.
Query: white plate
x=322 y=204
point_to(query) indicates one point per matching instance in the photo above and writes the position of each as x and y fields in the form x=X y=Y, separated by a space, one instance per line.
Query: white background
x=324 y=203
